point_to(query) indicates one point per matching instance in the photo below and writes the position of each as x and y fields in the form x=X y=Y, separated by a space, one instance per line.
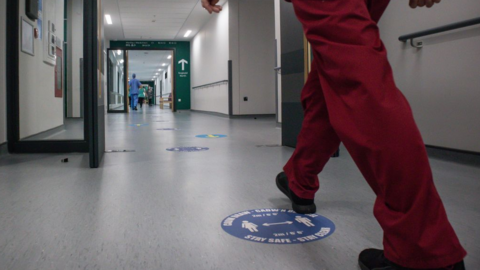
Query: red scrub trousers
x=351 y=97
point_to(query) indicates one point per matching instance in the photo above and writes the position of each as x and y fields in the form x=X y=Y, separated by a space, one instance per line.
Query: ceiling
x=154 y=19
x=146 y=63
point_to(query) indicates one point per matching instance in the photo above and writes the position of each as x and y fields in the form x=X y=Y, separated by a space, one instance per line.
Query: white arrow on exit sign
x=183 y=62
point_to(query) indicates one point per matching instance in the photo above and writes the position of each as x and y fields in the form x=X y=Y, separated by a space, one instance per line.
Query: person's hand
x=423 y=3
x=211 y=6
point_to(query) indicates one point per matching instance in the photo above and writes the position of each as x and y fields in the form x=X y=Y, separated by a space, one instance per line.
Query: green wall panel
x=181 y=64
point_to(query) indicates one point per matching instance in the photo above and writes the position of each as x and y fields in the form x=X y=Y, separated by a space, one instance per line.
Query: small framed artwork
x=28 y=37
x=53 y=39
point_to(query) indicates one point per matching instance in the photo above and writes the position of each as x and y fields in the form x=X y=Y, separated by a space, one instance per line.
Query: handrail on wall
x=437 y=30
x=210 y=84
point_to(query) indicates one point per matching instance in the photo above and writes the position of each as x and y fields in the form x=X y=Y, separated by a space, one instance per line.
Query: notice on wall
x=59 y=74
x=40 y=19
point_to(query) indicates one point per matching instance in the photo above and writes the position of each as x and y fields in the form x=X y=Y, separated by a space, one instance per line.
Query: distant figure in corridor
x=351 y=97
x=150 y=96
x=134 y=90
x=141 y=96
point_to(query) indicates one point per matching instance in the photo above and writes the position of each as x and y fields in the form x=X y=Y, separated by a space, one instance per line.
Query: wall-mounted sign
x=27 y=37
x=40 y=19
x=59 y=74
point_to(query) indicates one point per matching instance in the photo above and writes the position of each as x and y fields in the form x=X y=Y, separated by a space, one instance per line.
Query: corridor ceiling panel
x=154 y=19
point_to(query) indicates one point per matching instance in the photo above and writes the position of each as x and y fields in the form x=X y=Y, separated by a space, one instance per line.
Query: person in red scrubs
x=351 y=97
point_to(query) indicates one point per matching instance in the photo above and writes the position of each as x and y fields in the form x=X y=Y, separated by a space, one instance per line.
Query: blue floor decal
x=188 y=149
x=211 y=136
x=278 y=226
x=138 y=125
x=167 y=128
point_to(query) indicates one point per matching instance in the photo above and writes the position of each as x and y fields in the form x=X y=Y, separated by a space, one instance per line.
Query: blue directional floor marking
x=188 y=149
x=278 y=226
x=211 y=136
x=138 y=125
x=167 y=128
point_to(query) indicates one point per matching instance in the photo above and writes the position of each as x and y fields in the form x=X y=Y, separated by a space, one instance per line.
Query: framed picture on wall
x=28 y=37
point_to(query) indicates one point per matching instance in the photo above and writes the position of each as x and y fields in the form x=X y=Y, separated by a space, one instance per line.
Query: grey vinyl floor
x=153 y=209
x=72 y=129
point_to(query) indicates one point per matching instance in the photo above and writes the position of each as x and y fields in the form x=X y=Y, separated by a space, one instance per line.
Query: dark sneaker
x=373 y=259
x=299 y=205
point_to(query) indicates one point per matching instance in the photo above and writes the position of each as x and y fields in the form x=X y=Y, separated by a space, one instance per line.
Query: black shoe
x=373 y=259
x=301 y=206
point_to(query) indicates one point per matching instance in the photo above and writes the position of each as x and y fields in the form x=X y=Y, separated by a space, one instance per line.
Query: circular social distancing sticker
x=278 y=226
x=188 y=149
x=211 y=136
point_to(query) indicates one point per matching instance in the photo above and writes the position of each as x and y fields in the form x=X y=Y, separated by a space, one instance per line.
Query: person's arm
x=423 y=3
x=211 y=6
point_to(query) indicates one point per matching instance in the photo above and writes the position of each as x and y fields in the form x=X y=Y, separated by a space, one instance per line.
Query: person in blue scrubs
x=134 y=87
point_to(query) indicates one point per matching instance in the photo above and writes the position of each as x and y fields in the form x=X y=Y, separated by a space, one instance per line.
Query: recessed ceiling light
x=169 y=57
x=119 y=52
x=156 y=73
x=108 y=18
x=160 y=70
x=164 y=64
x=121 y=61
x=188 y=33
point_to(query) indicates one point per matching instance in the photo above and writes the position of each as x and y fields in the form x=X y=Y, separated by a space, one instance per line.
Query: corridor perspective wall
x=441 y=80
x=39 y=109
x=252 y=51
x=3 y=107
x=75 y=53
x=209 y=58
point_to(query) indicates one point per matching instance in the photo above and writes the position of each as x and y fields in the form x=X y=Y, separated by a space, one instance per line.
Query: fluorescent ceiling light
x=164 y=64
x=119 y=52
x=108 y=18
x=169 y=57
x=156 y=73
x=160 y=70
x=188 y=33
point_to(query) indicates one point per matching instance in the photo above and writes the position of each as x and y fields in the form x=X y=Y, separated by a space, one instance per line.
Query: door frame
x=15 y=145
x=125 y=81
x=174 y=57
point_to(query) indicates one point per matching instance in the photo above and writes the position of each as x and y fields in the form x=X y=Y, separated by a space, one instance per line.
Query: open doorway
x=154 y=69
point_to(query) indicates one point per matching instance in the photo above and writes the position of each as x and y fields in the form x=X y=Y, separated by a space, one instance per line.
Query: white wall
x=75 y=51
x=3 y=107
x=39 y=109
x=167 y=86
x=158 y=81
x=441 y=80
x=252 y=50
x=209 y=59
